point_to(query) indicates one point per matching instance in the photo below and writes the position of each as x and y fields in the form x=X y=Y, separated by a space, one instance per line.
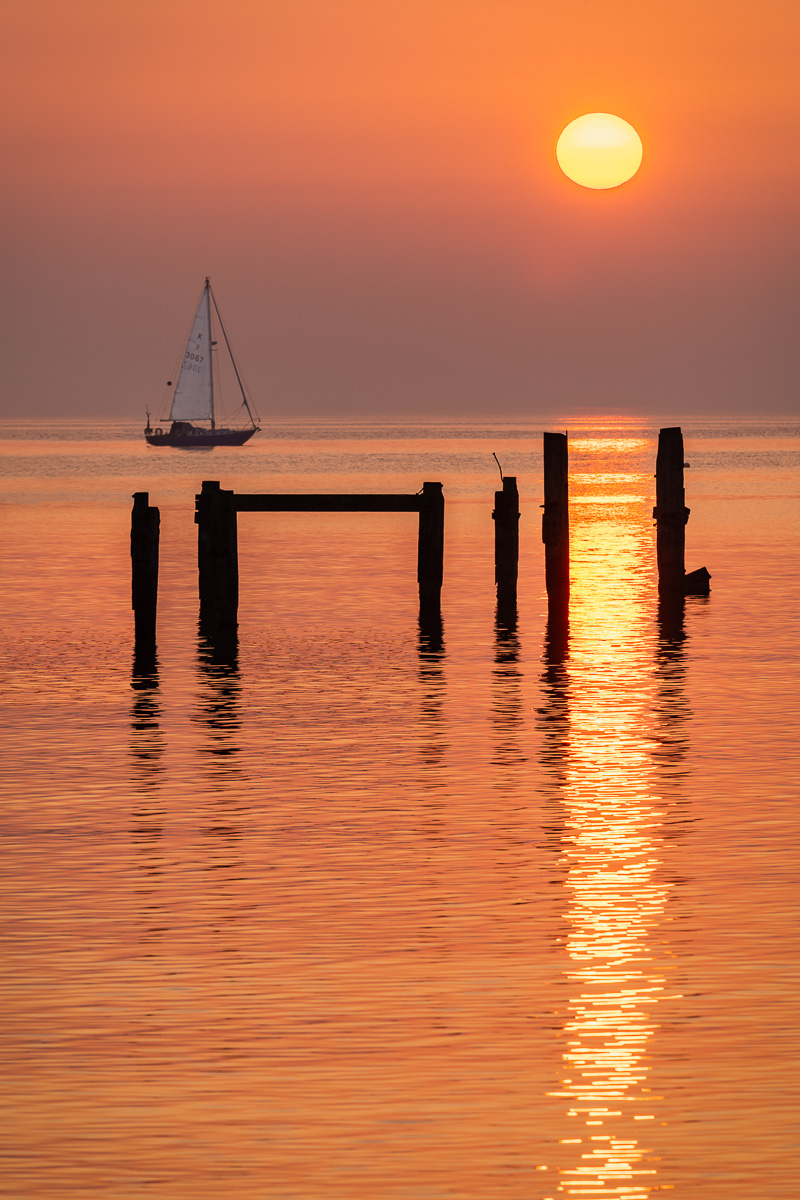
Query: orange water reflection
x=604 y=688
x=508 y=706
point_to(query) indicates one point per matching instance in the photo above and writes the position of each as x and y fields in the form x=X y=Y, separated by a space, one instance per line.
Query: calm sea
x=369 y=912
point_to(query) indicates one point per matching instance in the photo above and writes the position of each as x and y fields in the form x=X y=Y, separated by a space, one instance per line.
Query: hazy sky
x=372 y=187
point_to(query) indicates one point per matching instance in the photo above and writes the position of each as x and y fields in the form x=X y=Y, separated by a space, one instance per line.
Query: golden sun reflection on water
x=612 y=827
x=604 y=445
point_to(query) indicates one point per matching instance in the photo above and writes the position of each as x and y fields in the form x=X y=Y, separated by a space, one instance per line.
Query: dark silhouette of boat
x=195 y=393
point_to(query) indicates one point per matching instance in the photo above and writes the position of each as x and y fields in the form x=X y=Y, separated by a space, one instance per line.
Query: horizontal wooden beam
x=216 y=515
x=332 y=502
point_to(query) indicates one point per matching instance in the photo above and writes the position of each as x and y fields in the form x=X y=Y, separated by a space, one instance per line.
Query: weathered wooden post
x=506 y=541
x=145 y=523
x=670 y=512
x=217 y=557
x=555 y=519
x=430 y=549
x=671 y=515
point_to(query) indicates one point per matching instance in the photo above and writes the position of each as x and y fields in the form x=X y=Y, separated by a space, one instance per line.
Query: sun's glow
x=608 y=718
x=599 y=150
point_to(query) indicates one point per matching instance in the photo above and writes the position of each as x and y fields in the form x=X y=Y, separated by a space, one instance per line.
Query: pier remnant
x=506 y=541
x=430 y=547
x=555 y=519
x=217 y=542
x=671 y=516
x=670 y=512
x=217 y=556
x=145 y=525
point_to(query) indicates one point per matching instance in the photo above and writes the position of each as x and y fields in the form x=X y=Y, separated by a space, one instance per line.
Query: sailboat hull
x=199 y=439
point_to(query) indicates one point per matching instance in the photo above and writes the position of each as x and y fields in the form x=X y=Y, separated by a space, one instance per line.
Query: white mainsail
x=194 y=399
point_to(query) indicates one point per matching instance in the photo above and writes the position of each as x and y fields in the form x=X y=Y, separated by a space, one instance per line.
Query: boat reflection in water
x=602 y=688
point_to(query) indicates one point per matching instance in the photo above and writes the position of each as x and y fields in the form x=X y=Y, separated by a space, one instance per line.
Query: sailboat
x=194 y=394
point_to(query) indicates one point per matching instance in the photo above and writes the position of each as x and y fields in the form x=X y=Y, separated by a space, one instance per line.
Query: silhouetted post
x=555 y=519
x=217 y=557
x=430 y=550
x=145 y=522
x=506 y=541
x=670 y=512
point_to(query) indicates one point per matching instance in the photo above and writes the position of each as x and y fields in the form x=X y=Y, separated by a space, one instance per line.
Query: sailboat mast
x=210 y=347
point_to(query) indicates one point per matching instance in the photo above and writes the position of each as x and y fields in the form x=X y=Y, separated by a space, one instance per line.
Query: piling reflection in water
x=601 y=700
x=147 y=746
x=431 y=651
x=672 y=714
x=219 y=713
x=553 y=719
x=147 y=738
x=219 y=696
x=144 y=669
x=508 y=709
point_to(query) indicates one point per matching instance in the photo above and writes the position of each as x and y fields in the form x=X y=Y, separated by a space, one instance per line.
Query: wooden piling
x=671 y=516
x=430 y=549
x=145 y=524
x=555 y=519
x=217 y=557
x=670 y=512
x=506 y=541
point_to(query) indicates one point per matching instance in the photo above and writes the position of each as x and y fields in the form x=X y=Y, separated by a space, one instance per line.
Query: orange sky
x=373 y=189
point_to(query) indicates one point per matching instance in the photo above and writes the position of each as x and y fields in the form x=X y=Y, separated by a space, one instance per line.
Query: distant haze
x=372 y=188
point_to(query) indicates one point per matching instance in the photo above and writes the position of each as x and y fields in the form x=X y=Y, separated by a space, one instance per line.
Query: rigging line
x=233 y=360
x=497 y=460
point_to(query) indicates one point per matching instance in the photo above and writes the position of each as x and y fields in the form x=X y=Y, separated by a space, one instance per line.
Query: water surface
x=358 y=908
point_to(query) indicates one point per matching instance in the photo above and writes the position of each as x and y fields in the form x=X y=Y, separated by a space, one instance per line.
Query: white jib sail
x=192 y=400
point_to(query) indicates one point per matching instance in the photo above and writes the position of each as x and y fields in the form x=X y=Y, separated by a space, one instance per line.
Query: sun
x=599 y=150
